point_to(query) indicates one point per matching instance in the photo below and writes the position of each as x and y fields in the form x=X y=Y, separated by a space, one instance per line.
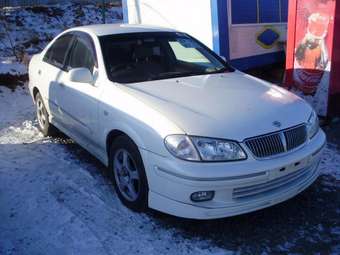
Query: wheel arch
x=35 y=91
x=113 y=134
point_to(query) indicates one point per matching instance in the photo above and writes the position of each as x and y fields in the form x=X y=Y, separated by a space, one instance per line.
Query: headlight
x=218 y=150
x=205 y=149
x=312 y=125
x=181 y=147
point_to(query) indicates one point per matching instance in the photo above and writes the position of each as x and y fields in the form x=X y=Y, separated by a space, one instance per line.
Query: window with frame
x=57 y=54
x=141 y=57
x=83 y=54
x=259 y=11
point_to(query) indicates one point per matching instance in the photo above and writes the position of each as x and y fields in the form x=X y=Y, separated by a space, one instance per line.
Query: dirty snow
x=11 y=66
x=55 y=199
x=330 y=163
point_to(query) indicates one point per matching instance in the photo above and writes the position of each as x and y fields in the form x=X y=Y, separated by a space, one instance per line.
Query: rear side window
x=56 y=55
x=83 y=54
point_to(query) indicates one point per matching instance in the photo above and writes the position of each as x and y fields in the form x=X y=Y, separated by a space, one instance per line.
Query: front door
x=79 y=101
x=51 y=71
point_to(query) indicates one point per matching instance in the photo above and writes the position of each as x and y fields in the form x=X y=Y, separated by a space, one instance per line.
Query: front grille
x=295 y=137
x=277 y=143
x=271 y=186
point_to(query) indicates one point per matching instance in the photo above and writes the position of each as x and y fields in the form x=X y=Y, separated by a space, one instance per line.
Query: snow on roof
x=110 y=29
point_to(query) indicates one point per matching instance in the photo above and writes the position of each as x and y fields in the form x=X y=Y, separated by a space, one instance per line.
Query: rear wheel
x=43 y=122
x=128 y=174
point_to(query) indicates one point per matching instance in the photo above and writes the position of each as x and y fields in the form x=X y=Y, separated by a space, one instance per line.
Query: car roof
x=111 y=29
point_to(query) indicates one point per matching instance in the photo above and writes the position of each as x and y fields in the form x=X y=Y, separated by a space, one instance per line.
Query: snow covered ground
x=55 y=199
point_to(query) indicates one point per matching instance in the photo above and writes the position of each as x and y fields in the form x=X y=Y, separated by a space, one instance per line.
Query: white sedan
x=180 y=130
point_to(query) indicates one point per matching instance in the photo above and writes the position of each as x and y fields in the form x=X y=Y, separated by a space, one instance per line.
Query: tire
x=46 y=128
x=127 y=172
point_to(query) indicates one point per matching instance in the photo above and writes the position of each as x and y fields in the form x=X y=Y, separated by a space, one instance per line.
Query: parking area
x=56 y=199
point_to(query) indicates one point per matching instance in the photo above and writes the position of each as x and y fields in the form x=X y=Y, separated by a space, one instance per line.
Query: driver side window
x=83 y=54
x=56 y=55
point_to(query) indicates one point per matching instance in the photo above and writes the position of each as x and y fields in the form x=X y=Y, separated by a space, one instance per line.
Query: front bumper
x=240 y=187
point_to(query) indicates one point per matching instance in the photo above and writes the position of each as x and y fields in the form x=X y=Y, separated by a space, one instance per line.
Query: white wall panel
x=242 y=40
x=190 y=16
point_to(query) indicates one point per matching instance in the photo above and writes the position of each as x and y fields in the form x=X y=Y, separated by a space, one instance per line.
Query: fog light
x=201 y=196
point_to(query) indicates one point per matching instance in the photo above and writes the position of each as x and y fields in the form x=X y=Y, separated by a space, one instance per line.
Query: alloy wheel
x=126 y=175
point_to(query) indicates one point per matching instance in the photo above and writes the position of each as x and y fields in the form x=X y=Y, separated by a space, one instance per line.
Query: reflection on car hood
x=230 y=105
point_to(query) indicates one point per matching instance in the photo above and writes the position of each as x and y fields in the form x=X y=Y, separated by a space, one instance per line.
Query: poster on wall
x=313 y=41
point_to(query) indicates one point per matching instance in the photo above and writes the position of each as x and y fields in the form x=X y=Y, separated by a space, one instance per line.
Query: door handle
x=39 y=72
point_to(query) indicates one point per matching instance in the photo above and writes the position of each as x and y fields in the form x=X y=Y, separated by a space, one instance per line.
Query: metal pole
x=139 y=17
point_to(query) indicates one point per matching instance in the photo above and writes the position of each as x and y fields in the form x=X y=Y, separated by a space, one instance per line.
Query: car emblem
x=277 y=124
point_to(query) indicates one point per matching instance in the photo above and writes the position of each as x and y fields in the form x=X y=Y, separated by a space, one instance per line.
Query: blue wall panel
x=284 y=10
x=244 y=11
x=219 y=15
x=256 y=61
x=269 y=11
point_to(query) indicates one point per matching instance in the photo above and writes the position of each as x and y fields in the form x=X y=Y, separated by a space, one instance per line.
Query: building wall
x=237 y=29
x=190 y=16
x=243 y=41
x=248 y=19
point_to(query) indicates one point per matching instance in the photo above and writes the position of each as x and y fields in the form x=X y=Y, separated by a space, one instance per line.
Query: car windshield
x=139 y=57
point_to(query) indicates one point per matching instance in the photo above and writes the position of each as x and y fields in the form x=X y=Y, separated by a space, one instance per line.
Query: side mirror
x=81 y=74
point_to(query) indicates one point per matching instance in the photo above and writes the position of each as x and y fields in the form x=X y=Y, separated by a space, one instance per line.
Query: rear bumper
x=245 y=186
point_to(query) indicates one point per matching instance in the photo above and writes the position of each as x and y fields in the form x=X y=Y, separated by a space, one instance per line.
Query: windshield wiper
x=175 y=74
x=219 y=70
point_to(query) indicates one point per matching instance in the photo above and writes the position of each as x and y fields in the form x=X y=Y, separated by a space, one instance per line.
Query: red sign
x=310 y=47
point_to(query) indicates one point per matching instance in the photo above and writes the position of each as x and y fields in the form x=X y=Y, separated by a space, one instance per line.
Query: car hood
x=230 y=105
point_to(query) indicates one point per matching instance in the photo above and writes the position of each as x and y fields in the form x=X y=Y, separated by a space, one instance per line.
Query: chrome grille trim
x=295 y=137
x=277 y=143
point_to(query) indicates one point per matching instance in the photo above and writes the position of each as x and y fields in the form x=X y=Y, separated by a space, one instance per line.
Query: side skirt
x=84 y=143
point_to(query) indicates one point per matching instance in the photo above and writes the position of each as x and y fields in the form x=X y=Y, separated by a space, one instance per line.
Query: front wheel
x=128 y=174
